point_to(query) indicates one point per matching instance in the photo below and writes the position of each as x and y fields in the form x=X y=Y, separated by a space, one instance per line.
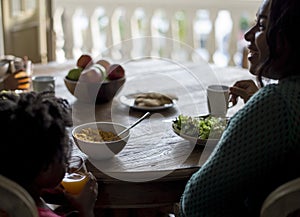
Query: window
x=21 y=7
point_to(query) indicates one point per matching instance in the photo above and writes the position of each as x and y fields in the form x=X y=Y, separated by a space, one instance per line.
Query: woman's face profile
x=256 y=37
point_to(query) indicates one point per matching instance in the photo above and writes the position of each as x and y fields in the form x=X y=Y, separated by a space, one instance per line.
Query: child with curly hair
x=35 y=147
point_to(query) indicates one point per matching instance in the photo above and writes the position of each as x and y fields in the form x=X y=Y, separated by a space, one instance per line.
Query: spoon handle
x=135 y=123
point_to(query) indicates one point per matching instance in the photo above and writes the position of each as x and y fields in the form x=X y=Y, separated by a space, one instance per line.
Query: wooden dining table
x=148 y=176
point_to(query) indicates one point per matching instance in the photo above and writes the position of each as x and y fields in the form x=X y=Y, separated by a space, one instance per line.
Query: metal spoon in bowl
x=134 y=124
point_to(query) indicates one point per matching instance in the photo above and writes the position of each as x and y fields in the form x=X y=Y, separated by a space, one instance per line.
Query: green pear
x=74 y=74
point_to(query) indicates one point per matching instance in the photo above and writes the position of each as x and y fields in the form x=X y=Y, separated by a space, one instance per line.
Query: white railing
x=182 y=29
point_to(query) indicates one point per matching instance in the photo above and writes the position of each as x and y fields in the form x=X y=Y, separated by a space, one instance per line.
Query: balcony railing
x=177 y=29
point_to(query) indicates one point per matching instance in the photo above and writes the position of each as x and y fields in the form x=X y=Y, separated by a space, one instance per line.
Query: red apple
x=84 y=61
x=115 y=71
x=104 y=63
x=102 y=70
x=92 y=75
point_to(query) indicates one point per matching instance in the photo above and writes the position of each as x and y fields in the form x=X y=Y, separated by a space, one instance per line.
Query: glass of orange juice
x=76 y=175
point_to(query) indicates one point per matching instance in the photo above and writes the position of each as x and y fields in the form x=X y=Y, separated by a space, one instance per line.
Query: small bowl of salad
x=199 y=129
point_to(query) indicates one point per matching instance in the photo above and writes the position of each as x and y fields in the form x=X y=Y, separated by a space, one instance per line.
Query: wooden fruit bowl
x=94 y=92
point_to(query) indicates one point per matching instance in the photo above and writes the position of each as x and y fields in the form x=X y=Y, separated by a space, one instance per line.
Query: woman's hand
x=244 y=89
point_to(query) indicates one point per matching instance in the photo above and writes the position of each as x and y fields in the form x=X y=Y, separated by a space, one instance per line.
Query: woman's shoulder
x=285 y=92
x=270 y=93
x=281 y=91
x=269 y=102
x=273 y=102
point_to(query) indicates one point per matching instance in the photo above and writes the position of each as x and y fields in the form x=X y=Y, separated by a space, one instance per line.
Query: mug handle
x=50 y=87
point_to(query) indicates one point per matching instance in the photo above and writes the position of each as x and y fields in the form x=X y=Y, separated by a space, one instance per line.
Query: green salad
x=201 y=127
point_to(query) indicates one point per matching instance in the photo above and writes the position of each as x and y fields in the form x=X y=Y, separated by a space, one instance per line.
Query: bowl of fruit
x=95 y=81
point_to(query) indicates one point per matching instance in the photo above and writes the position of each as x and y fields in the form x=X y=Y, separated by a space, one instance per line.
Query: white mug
x=218 y=99
x=42 y=83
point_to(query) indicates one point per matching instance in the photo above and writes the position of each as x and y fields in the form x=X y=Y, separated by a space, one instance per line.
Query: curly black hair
x=34 y=131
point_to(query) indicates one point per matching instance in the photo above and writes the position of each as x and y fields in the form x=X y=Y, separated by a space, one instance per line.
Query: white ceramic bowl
x=101 y=150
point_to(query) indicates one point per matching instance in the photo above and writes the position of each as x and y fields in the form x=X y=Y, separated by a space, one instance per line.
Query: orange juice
x=74 y=182
x=23 y=79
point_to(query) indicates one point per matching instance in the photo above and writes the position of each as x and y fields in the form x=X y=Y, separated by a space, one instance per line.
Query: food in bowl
x=200 y=127
x=96 y=81
x=89 y=70
x=96 y=135
x=100 y=150
x=84 y=61
x=115 y=71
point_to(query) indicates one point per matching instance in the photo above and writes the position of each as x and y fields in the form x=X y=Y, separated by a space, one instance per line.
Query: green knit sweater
x=258 y=151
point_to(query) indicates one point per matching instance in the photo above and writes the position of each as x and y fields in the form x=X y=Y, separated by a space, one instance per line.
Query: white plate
x=129 y=99
x=194 y=140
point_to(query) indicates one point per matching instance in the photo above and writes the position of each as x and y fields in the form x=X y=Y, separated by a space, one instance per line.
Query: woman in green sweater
x=260 y=148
